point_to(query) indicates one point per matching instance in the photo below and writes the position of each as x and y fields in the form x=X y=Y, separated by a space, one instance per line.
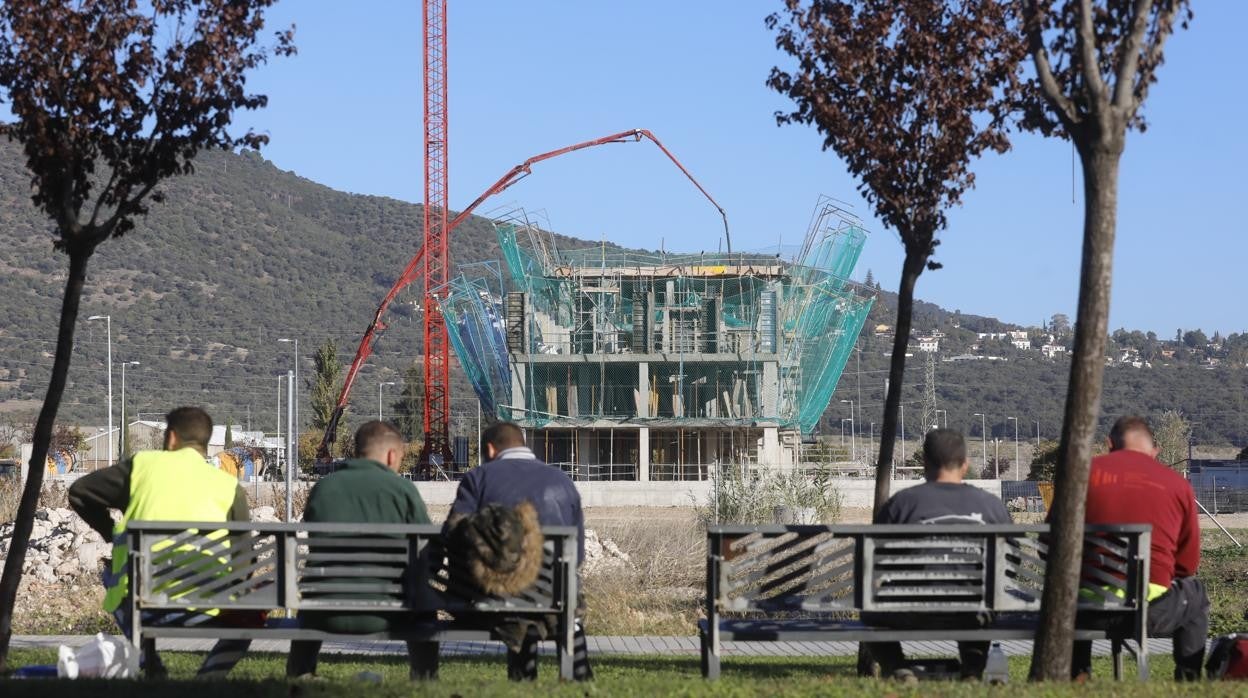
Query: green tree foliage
x=1195 y=339
x=1059 y=324
x=1043 y=461
x=410 y=405
x=324 y=385
x=1172 y=434
x=66 y=438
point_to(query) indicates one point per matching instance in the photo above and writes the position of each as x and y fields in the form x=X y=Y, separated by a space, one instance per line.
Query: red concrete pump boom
x=414 y=267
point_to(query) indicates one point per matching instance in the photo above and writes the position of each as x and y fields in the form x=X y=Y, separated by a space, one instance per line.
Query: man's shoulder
x=1155 y=469
x=530 y=472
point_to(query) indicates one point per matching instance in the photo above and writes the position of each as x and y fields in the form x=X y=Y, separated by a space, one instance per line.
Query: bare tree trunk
x=910 y=270
x=1052 y=659
x=39 y=452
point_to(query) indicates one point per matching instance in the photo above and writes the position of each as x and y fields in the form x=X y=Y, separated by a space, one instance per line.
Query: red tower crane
x=432 y=261
x=437 y=347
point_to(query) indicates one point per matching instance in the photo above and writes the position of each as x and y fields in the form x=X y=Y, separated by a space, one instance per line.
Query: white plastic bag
x=104 y=657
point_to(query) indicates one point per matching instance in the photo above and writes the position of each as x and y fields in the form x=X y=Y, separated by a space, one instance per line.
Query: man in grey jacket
x=943 y=499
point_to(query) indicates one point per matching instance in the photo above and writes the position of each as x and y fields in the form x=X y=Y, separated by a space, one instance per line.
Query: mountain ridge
x=243 y=253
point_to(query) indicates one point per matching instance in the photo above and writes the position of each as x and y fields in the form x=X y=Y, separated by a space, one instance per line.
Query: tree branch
x=99 y=199
x=108 y=226
x=1040 y=55
x=1124 y=89
x=1165 y=26
x=1085 y=41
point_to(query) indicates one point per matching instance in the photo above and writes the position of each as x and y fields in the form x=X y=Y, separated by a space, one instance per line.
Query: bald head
x=1132 y=433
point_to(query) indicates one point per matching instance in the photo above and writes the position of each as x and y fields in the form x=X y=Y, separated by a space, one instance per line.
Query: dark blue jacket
x=515 y=476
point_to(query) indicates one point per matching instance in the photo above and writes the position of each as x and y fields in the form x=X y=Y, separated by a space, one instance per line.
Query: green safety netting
x=728 y=339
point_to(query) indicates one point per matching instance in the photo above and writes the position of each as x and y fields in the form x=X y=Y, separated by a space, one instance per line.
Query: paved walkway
x=598 y=644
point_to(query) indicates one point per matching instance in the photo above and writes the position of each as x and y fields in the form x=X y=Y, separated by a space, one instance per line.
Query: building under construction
x=638 y=366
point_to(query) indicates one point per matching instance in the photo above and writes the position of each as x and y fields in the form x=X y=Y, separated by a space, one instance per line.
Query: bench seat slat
x=884 y=560
x=312 y=572
x=399 y=558
x=322 y=541
x=886 y=576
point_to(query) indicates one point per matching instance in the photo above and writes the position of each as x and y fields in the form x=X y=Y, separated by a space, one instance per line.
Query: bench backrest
x=343 y=567
x=906 y=568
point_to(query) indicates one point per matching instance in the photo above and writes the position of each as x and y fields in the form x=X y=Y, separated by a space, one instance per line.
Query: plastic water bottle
x=997 y=669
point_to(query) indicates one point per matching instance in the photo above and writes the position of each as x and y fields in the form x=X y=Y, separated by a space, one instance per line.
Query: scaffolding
x=599 y=337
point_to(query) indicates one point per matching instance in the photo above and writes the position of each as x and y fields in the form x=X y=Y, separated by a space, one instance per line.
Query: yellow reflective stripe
x=1155 y=591
x=154 y=476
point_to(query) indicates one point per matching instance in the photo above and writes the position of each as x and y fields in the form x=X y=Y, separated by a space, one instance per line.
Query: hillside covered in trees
x=243 y=254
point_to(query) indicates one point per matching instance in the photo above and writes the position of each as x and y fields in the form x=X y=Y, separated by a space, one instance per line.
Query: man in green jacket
x=366 y=489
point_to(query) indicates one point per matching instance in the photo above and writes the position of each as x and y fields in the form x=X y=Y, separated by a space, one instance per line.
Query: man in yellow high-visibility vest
x=174 y=484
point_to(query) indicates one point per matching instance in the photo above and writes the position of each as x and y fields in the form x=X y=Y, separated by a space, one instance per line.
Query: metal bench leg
x=710 y=658
x=567 y=661
x=1116 y=650
x=581 y=670
x=1142 y=659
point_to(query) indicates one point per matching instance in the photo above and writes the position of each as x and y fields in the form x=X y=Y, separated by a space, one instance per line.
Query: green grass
x=1224 y=567
x=260 y=675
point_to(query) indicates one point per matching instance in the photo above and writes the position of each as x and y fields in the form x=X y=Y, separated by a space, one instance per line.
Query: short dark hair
x=1126 y=425
x=943 y=448
x=372 y=434
x=502 y=435
x=192 y=425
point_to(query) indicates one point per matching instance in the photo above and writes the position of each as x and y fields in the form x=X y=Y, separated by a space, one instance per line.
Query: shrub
x=750 y=497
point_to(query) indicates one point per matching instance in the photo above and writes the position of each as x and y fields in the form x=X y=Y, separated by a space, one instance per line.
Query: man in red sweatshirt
x=1129 y=485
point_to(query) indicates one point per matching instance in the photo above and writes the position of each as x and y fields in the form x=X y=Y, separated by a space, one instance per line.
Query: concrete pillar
x=769 y=390
x=643 y=390
x=518 y=387
x=643 y=453
x=585 y=453
x=771 y=447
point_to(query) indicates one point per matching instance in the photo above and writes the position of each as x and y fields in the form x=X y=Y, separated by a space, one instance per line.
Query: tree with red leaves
x=109 y=98
x=907 y=93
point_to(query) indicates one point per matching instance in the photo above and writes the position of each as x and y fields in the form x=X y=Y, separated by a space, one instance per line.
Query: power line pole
x=929 y=413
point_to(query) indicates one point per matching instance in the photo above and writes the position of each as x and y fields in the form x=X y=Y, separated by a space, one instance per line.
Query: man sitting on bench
x=1129 y=485
x=366 y=490
x=943 y=499
x=512 y=476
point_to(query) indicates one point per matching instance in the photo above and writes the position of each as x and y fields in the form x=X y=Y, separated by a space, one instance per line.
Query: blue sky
x=526 y=77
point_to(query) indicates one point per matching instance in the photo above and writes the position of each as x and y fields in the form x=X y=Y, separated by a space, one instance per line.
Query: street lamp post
x=121 y=441
x=379 y=387
x=1015 y=445
x=1037 y=434
x=108 y=322
x=853 y=427
x=277 y=449
x=293 y=408
x=983 y=431
x=291 y=445
x=996 y=459
x=903 y=434
x=870 y=442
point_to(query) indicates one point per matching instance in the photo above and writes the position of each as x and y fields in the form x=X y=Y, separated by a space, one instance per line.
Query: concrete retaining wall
x=854 y=493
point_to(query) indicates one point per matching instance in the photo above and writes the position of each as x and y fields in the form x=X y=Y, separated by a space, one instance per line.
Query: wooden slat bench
x=798 y=583
x=177 y=569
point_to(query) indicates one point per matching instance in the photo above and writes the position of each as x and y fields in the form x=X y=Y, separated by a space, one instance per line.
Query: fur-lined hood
x=501 y=547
